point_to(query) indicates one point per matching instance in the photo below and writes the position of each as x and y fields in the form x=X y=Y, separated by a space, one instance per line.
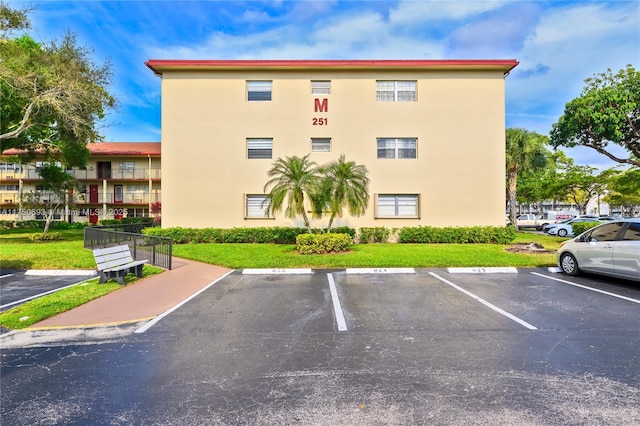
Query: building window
x=395 y=91
x=127 y=165
x=320 y=144
x=259 y=148
x=9 y=187
x=397 y=147
x=256 y=207
x=259 y=90
x=399 y=205
x=320 y=87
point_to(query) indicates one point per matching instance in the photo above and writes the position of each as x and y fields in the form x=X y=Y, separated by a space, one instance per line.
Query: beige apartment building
x=430 y=132
x=120 y=179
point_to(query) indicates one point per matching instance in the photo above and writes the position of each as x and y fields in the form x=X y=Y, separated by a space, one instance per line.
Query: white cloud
x=415 y=12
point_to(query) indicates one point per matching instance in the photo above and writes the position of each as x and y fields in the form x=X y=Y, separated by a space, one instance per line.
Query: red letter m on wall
x=321 y=105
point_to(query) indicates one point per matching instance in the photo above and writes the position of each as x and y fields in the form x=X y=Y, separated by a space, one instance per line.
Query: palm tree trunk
x=512 y=181
x=306 y=221
x=330 y=222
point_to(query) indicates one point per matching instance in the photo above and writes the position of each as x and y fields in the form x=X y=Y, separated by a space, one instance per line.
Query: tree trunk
x=512 y=181
x=306 y=221
x=47 y=221
x=330 y=222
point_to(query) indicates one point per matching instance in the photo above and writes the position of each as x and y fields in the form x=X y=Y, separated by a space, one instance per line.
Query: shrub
x=323 y=243
x=67 y=225
x=49 y=236
x=579 y=227
x=458 y=235
x=378 y=234
x=275 y=235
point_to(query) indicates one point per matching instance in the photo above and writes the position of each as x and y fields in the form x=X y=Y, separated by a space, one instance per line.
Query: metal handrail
x=157 y=250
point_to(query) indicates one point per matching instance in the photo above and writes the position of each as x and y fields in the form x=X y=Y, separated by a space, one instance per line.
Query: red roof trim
x=131 y=149
x=157 y=65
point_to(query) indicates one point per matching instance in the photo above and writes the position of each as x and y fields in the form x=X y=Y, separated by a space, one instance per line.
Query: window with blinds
x=320 y=87
x=395 y=91
x=259 y=90
x=256 y=207
x=397 y=205
x=259 y=147
x=320 y=144
x=397 y=147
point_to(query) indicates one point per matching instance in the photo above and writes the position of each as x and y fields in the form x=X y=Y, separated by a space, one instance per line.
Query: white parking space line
x=587 y=288
x=59 y=272
x=484 y=302
x=277 y=271
x=380 y=271
x=26 y=299
x=337 y=308
x=480 y=270
x=154 y=321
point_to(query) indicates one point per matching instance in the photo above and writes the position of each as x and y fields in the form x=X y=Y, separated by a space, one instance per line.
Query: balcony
x=124 y=198
x=86 y=174
x=12 y=198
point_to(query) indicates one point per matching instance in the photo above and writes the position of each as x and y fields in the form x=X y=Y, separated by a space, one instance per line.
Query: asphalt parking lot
x=329 y=347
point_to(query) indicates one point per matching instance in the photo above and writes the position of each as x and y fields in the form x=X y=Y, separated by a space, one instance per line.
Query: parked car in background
x=531 y=220
x=612 y=248
x=565 y=229
x=546 y=227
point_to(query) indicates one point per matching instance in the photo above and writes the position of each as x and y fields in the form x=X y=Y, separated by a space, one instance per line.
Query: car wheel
x=562 y=232
x=569 y=264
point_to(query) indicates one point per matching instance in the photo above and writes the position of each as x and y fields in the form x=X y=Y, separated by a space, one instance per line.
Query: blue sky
x=558 y=44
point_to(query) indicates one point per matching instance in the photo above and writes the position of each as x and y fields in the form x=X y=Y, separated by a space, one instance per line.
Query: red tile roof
x=160 y=65
x=113 y=149
x=125 y=148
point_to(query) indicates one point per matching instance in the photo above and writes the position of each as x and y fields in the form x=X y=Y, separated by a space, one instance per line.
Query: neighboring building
x=430 y=132
x=120 y=180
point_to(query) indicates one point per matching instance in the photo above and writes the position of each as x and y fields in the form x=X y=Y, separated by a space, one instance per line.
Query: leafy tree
x=52 y=193
x=606 y=112
x=579 y=185
x=344 y=184
x=291 y=179
x=53 y=95
x=524 y=151
x=624 y=190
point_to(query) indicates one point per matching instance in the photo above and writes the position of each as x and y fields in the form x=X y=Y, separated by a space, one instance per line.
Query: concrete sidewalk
x=141 y=300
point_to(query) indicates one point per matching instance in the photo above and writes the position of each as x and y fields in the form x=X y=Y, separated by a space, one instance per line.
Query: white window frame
x=255 y=207
x=320 y=144
x=127 y=165
x=259 y=144
x=320 y=87
x=396 y=206
x=259 y=90
x=396 y=90
x=397 y=148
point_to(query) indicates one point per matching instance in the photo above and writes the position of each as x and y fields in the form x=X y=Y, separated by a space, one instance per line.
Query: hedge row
x=579 y=227
x=323 y=243
x=474 y=234
x=273 y=235
x=39 y=224
x=288 y=235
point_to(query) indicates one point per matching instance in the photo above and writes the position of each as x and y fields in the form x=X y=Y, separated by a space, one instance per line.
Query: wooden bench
x=116 y=262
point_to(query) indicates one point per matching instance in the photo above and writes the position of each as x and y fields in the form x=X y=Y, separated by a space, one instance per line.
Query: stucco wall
x=458 y=120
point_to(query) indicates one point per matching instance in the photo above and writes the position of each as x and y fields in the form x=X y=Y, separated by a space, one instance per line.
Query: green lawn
x=18 y=252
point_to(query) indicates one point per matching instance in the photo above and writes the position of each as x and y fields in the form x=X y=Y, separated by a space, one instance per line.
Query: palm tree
x=291 y=178
x=524 y=151
x=345 y=184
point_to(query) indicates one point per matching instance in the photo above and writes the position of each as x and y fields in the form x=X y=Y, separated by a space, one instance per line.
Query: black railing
x=157 y=250
x=135 y=228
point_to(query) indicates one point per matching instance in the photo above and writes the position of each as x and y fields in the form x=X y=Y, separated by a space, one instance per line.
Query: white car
x=612 y=248
x=565 y=229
